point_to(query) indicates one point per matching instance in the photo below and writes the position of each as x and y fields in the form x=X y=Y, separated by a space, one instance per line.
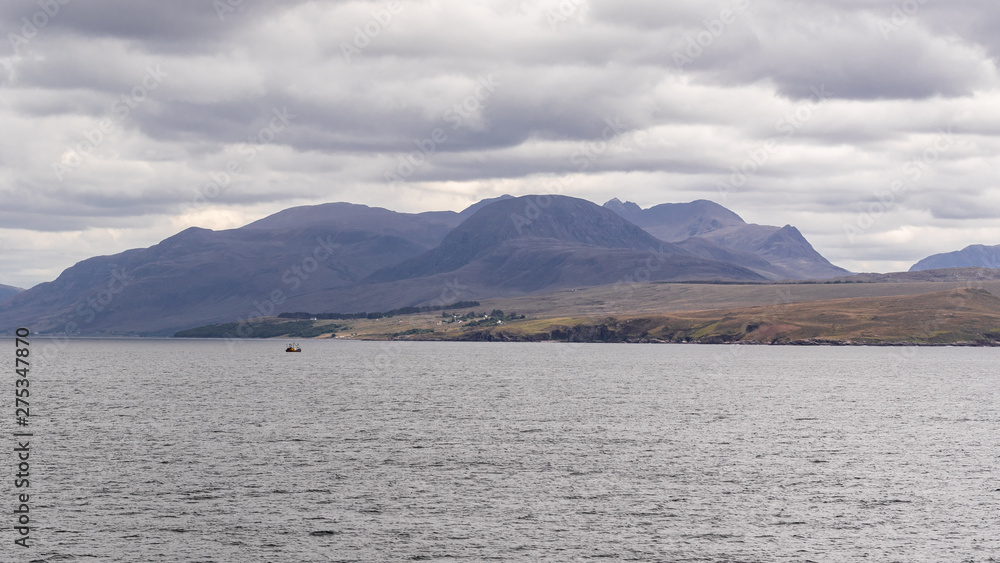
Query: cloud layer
x=871 y=126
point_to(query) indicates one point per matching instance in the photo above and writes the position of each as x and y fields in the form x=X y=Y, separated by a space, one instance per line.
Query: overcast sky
x=873 y=126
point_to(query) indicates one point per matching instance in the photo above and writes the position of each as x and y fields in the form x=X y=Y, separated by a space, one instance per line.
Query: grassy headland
x=870 y=313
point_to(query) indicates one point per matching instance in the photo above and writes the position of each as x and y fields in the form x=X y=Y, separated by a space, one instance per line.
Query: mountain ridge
x=786 y=252
x=492 y=225
x=8 y=291
x=343 y=256
x=972 y=256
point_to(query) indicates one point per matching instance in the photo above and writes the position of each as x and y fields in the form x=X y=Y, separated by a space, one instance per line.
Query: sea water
x=201 y=450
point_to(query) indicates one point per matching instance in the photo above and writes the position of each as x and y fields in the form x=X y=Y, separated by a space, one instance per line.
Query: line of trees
x=379 y=315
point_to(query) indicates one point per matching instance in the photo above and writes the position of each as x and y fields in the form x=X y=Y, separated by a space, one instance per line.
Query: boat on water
x=293 y=348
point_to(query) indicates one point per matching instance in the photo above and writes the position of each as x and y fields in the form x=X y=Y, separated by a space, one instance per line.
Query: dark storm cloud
x=151 y=25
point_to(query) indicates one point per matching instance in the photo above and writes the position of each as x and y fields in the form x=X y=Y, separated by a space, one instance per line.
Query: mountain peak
x=675 y=222
x=565 y=219
x=530 y=243
x=972 y=256
x=626 y=210
x=483 y=203
x=8 y=291
x=348 y=257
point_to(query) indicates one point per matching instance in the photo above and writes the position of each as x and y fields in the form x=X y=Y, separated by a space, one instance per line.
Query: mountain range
x=7 y=291
x=973 y=256
x=709 y=230
x=342 y=257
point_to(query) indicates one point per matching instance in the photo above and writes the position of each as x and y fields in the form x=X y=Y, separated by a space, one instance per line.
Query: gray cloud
x=703 y=91
x=156 y=27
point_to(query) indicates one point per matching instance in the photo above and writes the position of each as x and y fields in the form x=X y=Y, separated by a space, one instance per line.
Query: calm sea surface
x=158 y=450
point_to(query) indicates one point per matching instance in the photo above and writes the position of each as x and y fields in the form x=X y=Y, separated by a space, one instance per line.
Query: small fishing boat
x=293 y=348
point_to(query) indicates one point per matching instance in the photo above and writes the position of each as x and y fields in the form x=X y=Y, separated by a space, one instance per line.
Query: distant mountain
x=974 y=256
x=571 y=242
x=8 y=291
x=708 y=229
x=426 y=229
x=784 y=247
x=470 y=210
x=937 y=275
x=204 y=276
x=569 y=220
x=342 y=257
x=674 y=222
x=704 y=248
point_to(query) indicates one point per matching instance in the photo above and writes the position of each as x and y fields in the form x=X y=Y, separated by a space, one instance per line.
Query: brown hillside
x=943 y=317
